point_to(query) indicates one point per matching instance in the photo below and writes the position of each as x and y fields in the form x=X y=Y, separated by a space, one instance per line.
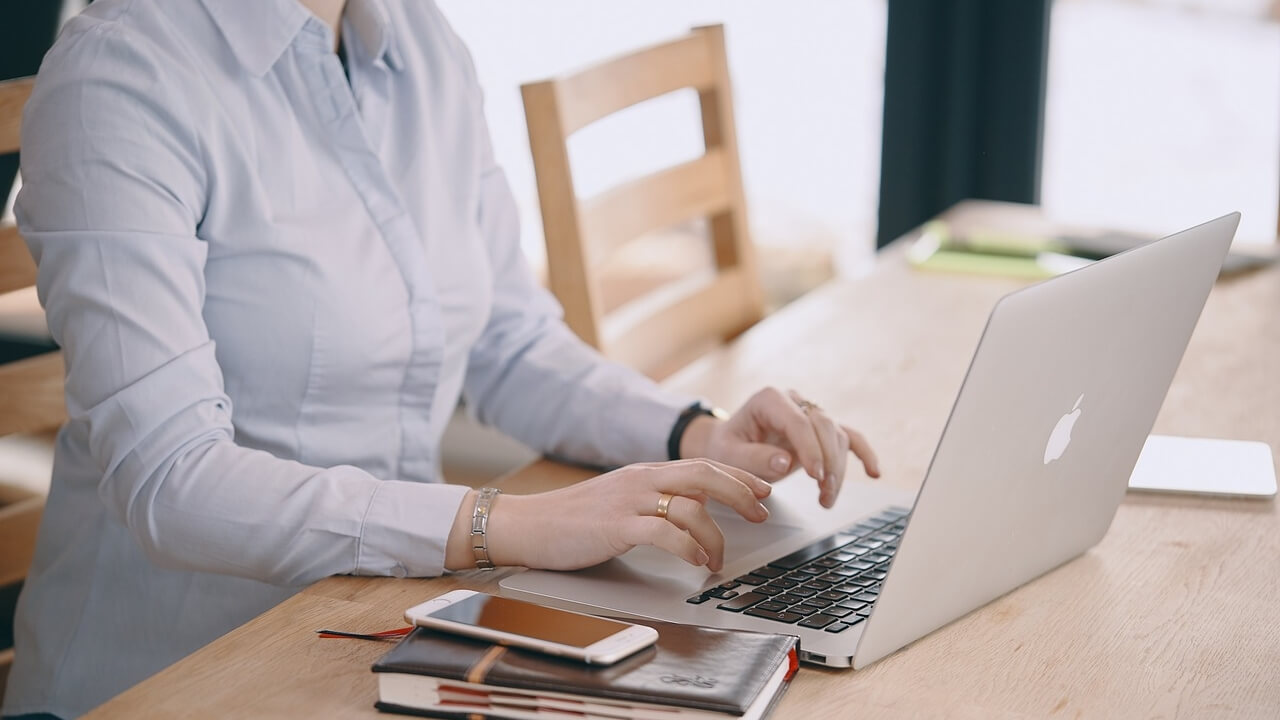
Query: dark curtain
x=27 y=29
x=963 y=106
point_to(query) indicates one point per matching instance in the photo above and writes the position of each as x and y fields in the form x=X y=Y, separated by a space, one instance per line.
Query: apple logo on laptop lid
x=1060 y=438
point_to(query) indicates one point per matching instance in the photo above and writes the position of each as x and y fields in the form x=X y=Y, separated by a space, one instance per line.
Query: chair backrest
x=31 y=390
x=666 y=330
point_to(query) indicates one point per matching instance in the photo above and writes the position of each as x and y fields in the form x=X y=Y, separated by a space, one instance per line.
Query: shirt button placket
x=340 y=116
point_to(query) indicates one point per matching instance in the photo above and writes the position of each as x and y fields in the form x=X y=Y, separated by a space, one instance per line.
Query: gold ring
x=804 y=405
x=664 y=502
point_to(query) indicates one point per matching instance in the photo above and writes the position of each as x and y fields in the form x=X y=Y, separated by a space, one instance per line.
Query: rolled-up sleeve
x=115 y=186
x=531 y=377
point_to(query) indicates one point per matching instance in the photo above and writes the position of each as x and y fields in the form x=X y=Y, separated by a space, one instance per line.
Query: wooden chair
x=31 y=398
x=669 y=327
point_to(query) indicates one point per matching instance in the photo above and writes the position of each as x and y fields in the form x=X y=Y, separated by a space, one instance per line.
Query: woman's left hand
x=773 y=430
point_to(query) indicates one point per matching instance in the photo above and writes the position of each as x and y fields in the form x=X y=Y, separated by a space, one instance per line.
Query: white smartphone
x=598 y=641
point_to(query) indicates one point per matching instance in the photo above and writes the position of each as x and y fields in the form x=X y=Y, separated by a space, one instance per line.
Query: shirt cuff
x=406 y=528
x=643 y=435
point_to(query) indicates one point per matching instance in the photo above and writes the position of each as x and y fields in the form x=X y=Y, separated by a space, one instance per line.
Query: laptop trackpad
x=741 y=538
x=646 y=577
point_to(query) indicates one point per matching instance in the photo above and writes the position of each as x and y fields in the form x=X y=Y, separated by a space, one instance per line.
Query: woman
x=273 y=269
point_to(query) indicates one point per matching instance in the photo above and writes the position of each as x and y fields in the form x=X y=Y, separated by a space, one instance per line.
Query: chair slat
x=17 y=269
x=620 y=83
x=18 y=524
x=694 y=189
x=31 y=394
x=13 y=95
x=706 y=314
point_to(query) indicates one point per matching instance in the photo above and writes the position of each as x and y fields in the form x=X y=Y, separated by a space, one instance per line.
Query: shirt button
x=399 y=571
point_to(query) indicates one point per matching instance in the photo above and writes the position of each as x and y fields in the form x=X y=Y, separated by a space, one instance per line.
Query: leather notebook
x=719 y=672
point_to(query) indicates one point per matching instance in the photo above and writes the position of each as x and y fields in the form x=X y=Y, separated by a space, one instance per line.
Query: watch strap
x=480 y=525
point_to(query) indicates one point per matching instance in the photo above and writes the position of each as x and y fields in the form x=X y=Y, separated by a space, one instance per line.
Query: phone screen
x=521 y=618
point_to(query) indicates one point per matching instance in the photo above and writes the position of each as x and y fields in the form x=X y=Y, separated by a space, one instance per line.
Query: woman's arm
x=115 y=184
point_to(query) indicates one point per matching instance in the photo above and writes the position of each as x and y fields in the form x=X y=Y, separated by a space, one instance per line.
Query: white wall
x=1164 y=114
x=808 y=82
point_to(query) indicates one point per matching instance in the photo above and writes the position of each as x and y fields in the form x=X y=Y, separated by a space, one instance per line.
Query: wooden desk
x=1175 y=614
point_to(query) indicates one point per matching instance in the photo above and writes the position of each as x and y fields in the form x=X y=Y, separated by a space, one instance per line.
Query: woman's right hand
x=597 y=519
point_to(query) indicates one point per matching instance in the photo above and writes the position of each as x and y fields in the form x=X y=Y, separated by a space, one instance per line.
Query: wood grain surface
x=1175 y=614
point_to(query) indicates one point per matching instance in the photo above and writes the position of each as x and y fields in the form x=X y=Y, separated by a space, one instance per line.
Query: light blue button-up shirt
x=271 y=287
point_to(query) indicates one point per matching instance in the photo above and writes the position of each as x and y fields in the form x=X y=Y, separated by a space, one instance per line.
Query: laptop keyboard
x=829 y=585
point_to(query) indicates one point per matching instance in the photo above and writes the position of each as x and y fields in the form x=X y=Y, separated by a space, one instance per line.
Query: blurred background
x=859 y=119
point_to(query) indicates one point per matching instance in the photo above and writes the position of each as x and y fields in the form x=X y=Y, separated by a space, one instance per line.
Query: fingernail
x=780 y=463
x=831 y=478
x=703 y=557
x=762 y=510
x=817 y=471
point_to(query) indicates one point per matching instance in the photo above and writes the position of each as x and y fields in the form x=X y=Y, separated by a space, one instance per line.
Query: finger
x=758 y=487
x=766 y=461
x=692 y=516
x=653 y=530
x=720 y=482
x=785 y=417
x=835 y=451
x=862 y=449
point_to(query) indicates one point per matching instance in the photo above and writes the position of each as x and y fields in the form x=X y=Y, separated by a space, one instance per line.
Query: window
x=1163 y=114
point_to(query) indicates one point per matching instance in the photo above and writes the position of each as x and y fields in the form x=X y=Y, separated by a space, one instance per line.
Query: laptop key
x=833 y=596
x=837 y=627
x=837 y=611
x=783 y=617
x=803 y=592
x=788 y=598
x=878 y=575
x=866 y=597
x=768 y=572
x=742 y=602
x=771 y=606
x=697 y=599
x=826 y=562
x=816 y=585
x=731 y=585
x=817 y=621
x=818 y=601
x=753 y=579
x=769 y=589
x=852 y=605
x=805 y=609
x=721 y=593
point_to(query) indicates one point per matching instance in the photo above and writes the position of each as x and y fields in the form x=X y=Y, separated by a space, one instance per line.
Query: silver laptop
x=1035 y=458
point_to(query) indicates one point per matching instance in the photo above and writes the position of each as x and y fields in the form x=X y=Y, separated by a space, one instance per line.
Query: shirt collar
x=258 y=31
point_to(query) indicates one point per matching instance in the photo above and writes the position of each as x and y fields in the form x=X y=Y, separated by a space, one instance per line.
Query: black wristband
x=687 y=416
